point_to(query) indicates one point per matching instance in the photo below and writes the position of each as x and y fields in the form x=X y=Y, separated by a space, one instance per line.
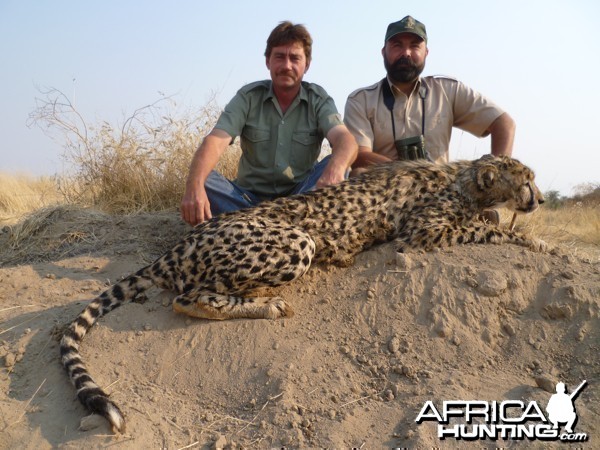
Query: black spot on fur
x=288 y=276
x=79 y=382
x=117 y=292
x=77 y=371
x=65 y=350
x=107 y=302
x=82 y=322
x=94 y=312
x=157 y=271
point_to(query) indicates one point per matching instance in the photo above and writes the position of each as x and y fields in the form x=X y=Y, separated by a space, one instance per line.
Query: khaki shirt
x=278 y=150
x=448 y=103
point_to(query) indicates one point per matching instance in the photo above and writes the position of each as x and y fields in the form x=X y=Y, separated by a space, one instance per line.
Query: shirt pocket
x=305 y=150
x=256 y=142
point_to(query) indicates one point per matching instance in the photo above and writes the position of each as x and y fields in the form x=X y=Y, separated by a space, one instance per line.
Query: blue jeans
x=224 y=195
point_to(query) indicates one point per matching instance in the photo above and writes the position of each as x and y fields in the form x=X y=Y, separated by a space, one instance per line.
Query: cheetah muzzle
x=213 y=269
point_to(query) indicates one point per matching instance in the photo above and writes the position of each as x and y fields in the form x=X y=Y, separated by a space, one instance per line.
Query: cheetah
x=215 y=268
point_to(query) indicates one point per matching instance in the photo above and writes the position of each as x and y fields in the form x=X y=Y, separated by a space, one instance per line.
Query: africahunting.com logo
x=509 y=419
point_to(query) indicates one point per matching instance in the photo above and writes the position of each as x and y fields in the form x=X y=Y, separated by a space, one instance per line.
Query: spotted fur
x=421 y=205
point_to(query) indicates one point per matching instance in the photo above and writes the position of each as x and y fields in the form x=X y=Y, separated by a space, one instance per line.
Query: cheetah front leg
x=445 y=235
x=207 y=305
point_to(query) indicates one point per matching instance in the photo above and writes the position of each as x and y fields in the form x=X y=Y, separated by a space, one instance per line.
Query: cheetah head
x=506 y=182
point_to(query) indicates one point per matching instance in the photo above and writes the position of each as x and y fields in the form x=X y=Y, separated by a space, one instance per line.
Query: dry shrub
x=140 y=165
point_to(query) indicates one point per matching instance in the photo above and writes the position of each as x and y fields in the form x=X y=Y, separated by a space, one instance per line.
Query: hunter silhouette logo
x=561 y=409
x=509 y=419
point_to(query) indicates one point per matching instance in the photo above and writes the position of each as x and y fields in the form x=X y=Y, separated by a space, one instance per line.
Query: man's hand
x=195 y=207
x=333 y=174
x=343 y=154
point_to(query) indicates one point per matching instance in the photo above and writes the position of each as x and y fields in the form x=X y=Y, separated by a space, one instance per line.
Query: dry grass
x=20 y=194
x=575 y=226
x=33 y=233
x=59 y=231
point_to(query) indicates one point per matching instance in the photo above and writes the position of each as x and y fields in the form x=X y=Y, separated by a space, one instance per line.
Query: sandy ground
x=368 y=346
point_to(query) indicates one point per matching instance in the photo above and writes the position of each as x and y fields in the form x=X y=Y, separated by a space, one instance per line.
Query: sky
x=538 y=60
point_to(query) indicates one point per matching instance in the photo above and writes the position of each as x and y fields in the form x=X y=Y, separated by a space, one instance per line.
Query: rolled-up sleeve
x=357 y=120
x=473 y=112
x=233 y=118
x=327 y=114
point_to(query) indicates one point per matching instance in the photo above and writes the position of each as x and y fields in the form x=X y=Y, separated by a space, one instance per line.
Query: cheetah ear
x=486 y=176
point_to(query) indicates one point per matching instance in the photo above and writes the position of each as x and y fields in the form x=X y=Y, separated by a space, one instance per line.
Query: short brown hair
x=287 y=33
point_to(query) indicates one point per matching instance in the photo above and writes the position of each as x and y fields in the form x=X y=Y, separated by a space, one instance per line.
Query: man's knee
x=225 y=196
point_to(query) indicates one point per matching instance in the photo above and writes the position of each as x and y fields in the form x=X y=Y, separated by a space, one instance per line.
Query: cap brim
x=424 y=38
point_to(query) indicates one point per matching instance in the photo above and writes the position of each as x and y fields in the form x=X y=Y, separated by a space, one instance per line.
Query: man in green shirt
x=282 y=123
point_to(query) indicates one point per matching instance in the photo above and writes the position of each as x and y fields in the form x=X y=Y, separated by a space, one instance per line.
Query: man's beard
x=403 y=70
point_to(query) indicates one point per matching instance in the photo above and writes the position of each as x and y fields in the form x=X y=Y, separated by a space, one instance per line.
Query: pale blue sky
x=536 y=59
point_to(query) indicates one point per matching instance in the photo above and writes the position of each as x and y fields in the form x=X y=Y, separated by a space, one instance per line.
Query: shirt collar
x=397 y=91
x=302 y=95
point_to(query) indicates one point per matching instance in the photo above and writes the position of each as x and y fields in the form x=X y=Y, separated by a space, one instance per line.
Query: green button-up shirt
x=278 y=150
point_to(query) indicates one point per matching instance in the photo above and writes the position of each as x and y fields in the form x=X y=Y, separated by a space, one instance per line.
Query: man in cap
x=282 y=123
x=406 y=116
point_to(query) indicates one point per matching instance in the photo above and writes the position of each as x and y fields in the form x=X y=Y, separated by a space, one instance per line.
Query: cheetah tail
x=89 y=393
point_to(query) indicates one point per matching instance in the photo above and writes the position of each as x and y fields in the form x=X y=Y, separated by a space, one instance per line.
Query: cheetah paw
x=278 y=308
x=537 y=245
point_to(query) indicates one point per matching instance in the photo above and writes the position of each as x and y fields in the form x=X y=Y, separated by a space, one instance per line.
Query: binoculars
x=412 y=148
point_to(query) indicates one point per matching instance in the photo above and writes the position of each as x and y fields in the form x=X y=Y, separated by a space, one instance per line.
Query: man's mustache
x=404 y=61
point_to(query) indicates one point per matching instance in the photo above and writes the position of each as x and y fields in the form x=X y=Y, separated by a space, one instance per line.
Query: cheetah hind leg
x=208 y=305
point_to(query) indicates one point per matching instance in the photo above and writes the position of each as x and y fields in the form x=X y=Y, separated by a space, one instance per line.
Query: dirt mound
x=368 y=346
